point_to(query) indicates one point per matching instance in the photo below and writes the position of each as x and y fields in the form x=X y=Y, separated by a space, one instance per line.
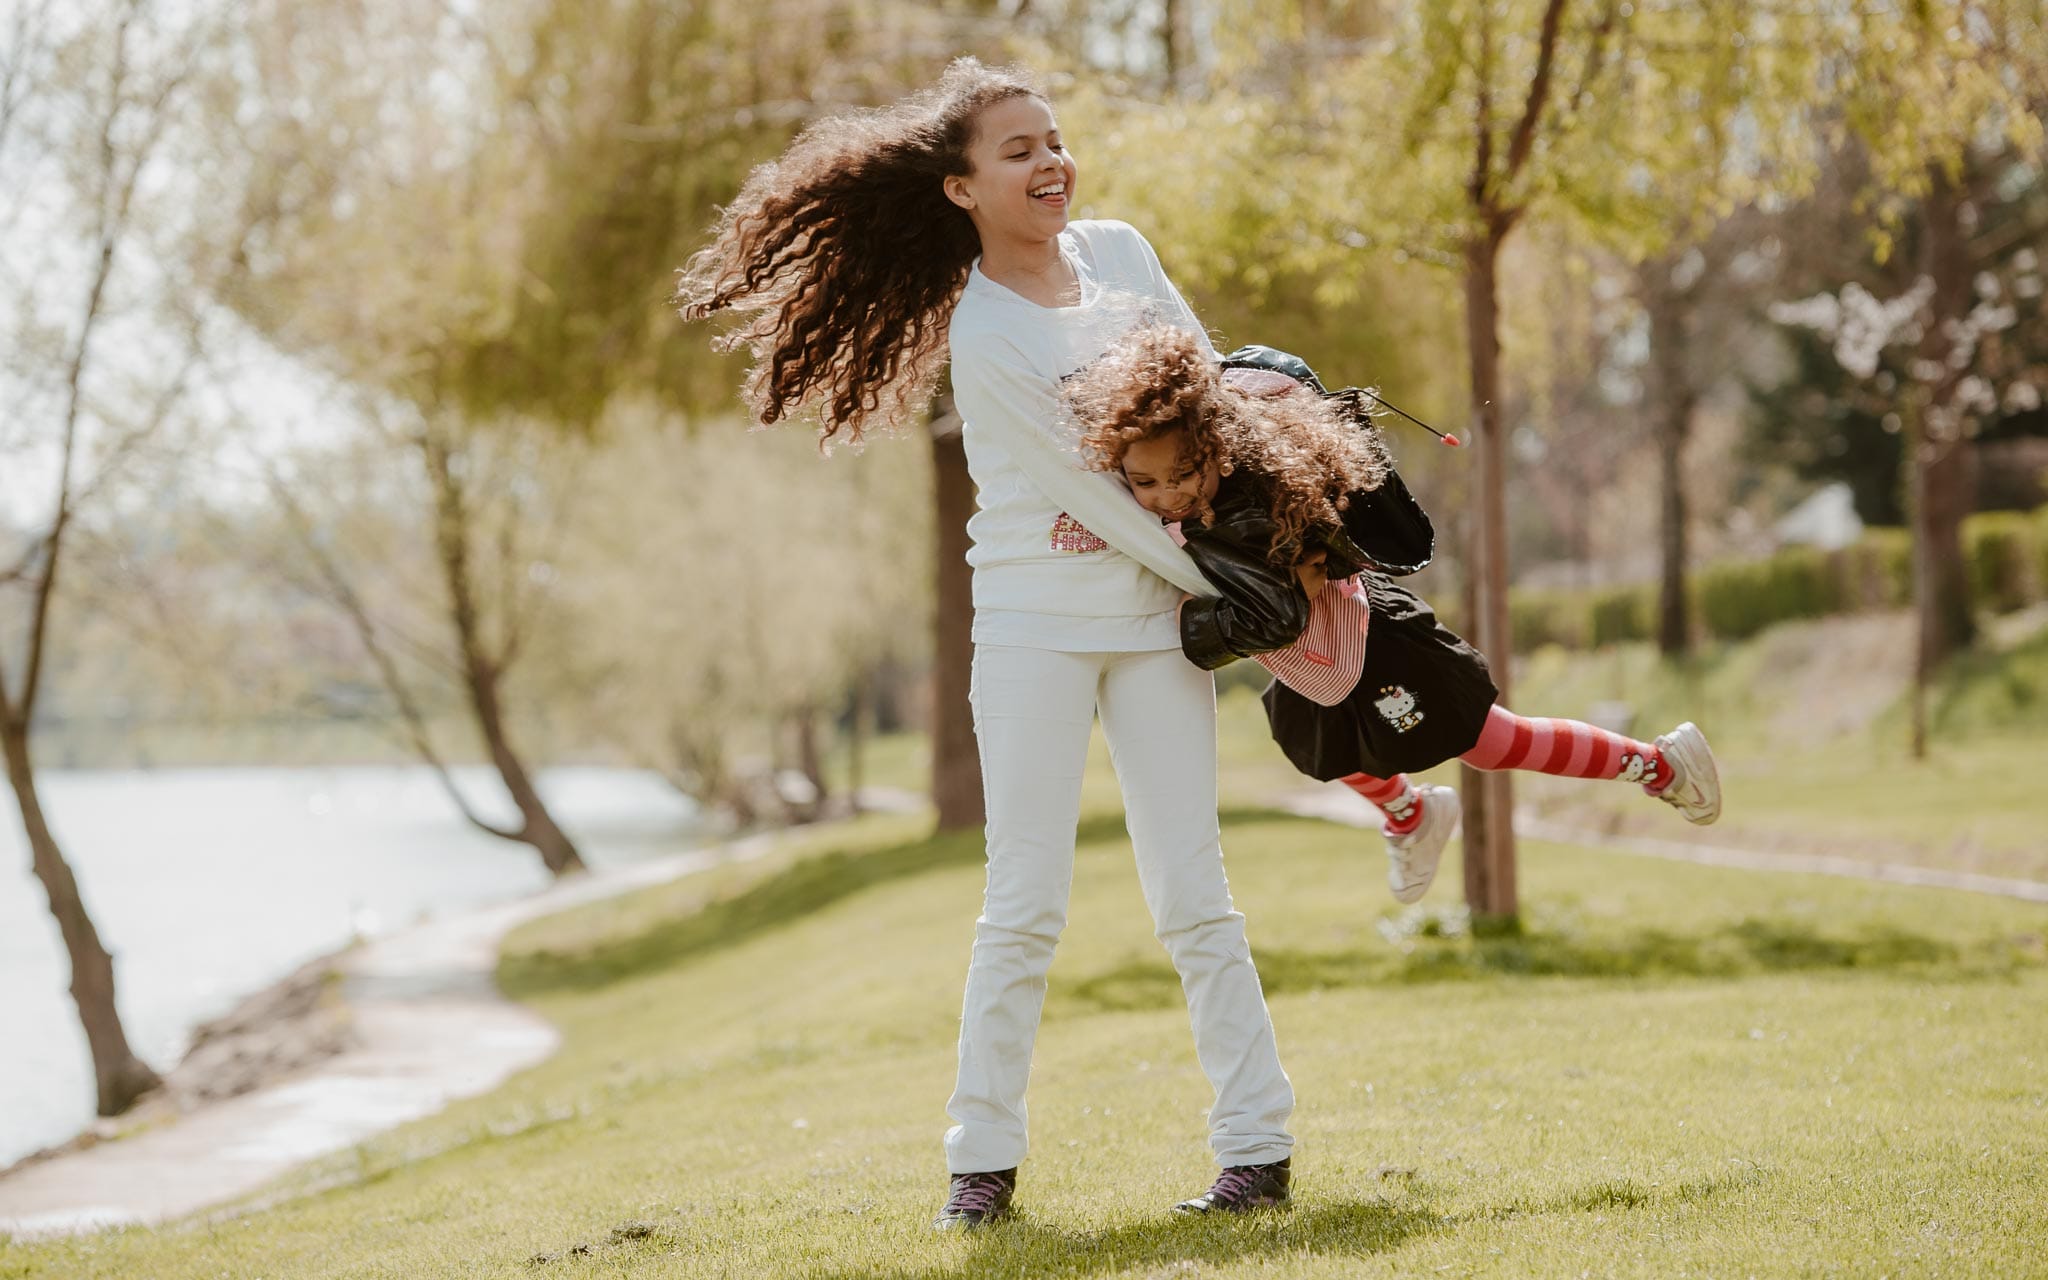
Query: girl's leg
x=1419 y=824
x=1395 y=797
x=1565 y=749
x=1159 y=714
x=1678 y=768
x=1033 y=709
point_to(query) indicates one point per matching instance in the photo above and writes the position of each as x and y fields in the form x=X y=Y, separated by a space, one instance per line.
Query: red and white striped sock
x=1565 y=749
x=1396 y=798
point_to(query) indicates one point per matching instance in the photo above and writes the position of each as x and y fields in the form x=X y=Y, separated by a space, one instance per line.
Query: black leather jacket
x=1262 y=607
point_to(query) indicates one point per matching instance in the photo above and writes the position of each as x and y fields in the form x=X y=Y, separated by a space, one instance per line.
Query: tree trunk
x=1943 y=455
x=119 y=1076
x=1948 y=494
x=1176 y=38
x=1948 y=489
x=1675 y=399
x=706 y=776
x=1938 y=477
x=956 y=761
x=810 y=761
x=860 y=725
x=482 y=675
x=1489 y=797
x=537 y=826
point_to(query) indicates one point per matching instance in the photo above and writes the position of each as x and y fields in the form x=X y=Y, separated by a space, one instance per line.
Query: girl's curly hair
x=846 y=258
x=1311 y=452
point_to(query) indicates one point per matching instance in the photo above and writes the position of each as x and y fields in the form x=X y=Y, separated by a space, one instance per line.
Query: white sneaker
x=1695 y=788
x=1412 y=857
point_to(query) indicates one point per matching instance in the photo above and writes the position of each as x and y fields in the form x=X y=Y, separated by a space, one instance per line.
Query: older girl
x=880 y=242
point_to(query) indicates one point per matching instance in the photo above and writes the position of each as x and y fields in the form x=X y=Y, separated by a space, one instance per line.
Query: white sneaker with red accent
x=1412 y=856
x=1695 y=786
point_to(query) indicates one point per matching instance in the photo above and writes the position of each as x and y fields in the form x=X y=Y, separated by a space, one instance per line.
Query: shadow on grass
x=1615 y=1194
x=1751 y=947
x=1024 y=1247
x=1167 y=1245
x=783 y=898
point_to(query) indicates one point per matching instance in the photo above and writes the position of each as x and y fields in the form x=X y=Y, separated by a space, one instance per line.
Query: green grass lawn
x=1674 y=1070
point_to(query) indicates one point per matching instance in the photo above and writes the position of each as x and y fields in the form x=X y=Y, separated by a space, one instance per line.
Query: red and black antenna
x=1444 y=436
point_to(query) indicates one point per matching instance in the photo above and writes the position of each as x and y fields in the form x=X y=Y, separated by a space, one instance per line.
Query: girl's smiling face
x=1161 y=479
x=1023 y=179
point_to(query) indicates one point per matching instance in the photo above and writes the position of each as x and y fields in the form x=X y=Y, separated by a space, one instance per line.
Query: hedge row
x=2006 y=554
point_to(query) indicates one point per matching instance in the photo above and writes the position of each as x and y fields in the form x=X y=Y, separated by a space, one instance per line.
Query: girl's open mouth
x=1052 y=194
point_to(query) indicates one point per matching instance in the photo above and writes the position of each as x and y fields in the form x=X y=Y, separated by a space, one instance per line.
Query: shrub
x=1876 y=572
x=2041 y=550
x=1540 y=617
x=1622 y=614
x=2040 y=521
x=2002 y=554
x=1740 y=598
x=2006 y=553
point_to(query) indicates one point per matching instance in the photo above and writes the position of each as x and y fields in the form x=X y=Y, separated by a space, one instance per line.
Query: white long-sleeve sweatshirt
x=1064 y=558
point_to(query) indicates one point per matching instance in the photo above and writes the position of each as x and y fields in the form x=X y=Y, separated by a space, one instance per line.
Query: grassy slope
x=1811 y=732
x=1679 y=1070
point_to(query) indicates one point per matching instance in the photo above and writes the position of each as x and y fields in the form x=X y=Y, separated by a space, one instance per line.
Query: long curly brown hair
x=1310 y=452
x=846 y=258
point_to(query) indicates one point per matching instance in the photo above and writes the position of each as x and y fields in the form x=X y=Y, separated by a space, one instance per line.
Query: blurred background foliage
x=380 y=404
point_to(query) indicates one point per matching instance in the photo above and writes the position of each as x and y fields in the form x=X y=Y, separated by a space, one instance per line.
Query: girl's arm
x=997 y=392
x=1261 y=606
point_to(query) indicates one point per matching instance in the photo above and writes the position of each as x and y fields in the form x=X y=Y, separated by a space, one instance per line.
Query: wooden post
x=1489 y=797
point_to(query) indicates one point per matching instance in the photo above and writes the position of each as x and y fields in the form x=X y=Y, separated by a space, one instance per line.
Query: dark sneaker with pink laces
x=977 y=1199
x=1242 y=1189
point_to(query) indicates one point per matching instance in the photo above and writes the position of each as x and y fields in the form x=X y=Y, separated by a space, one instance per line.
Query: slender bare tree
x=99 y=348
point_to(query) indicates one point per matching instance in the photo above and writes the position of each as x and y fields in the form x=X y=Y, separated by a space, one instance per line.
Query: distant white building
x=1827 y=519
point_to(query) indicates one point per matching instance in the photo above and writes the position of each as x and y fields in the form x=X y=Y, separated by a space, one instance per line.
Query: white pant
x=1033 y=709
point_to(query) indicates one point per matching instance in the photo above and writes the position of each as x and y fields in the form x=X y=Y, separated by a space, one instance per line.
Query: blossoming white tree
x=1946 y=375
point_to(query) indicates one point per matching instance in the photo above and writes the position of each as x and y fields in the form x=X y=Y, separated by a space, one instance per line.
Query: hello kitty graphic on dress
x=1397 y=707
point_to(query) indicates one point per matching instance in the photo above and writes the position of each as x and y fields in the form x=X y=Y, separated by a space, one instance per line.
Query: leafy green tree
x=1438 y=130
x=1495 y=108
x=506 y=263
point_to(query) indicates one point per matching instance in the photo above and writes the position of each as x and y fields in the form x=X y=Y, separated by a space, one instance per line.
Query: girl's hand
x=1310 y=573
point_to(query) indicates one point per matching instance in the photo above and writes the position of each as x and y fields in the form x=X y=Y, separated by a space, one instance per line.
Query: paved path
x=1341 y=804
x=431 y=1027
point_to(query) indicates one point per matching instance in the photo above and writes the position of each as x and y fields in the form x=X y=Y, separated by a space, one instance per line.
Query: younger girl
x=1292 y=510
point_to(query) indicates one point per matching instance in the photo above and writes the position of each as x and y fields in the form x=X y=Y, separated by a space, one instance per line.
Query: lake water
x=208 y=884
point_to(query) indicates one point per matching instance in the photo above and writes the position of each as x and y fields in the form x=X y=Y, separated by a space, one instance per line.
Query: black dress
x=1423 y=695
x=1421 y=699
